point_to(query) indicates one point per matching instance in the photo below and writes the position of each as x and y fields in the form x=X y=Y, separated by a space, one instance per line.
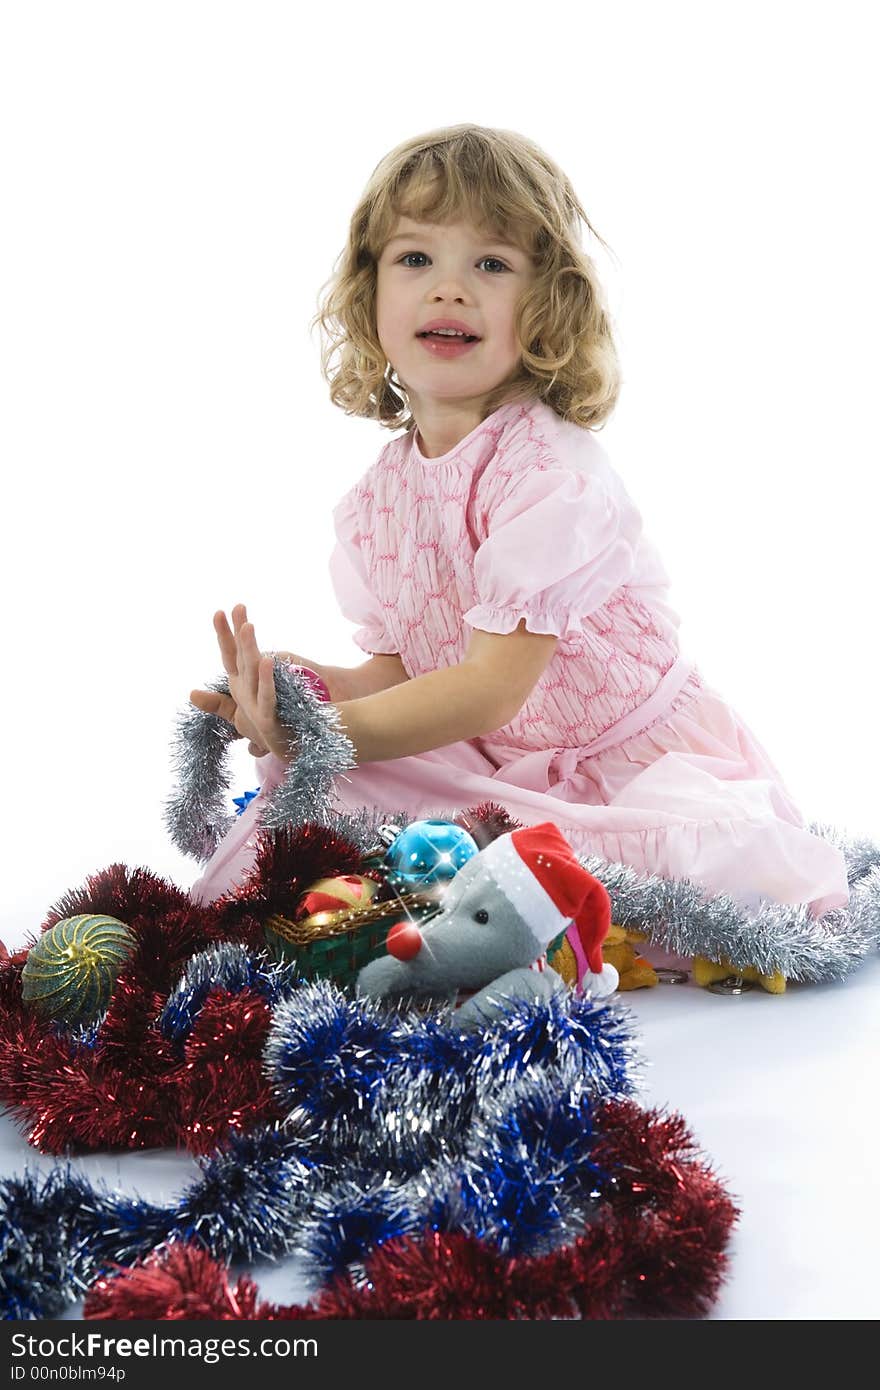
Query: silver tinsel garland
x=195 y=816
x=685 y=919
x=676 y=914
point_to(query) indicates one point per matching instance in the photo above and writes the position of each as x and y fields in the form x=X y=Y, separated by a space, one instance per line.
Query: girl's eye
x=407 y=255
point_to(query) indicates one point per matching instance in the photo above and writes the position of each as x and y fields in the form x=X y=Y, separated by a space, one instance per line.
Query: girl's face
x=428 y=271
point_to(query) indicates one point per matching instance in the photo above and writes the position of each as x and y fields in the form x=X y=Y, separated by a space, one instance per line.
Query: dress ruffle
x=503 y=620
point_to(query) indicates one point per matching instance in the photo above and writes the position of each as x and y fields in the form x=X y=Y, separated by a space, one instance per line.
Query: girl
x=521 y=646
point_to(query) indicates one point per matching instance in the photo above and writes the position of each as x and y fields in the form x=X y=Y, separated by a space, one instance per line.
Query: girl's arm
x=481 y=694
x=354 y=682
x=379 y=673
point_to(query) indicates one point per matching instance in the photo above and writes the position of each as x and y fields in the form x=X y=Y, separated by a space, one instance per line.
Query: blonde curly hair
x=506 y=185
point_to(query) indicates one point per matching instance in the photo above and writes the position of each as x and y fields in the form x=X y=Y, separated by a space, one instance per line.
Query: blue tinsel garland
x=395 y=1121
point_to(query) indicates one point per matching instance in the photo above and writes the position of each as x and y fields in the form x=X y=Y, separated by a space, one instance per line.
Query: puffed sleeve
x=348 y=575
x=558 y=546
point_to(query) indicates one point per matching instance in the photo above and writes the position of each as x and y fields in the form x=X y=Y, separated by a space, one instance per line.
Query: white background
x=177 y=180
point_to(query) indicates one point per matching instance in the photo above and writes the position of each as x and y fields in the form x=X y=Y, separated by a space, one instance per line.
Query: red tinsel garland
x=654 y=1249
x=132 y=1090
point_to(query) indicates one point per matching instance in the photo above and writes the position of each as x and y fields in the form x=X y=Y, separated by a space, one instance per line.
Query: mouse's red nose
x=404 y=940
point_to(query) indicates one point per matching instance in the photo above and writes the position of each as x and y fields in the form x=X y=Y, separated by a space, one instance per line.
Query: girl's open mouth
x=446 y=346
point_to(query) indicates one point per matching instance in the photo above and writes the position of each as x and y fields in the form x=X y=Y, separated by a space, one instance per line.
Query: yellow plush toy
x=706 y=972
x=637 y=973
x=634 y=971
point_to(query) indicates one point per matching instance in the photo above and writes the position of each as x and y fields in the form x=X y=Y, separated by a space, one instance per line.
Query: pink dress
x=621 y=743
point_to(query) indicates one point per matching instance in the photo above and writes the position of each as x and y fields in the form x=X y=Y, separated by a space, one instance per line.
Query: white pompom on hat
x=536 y=868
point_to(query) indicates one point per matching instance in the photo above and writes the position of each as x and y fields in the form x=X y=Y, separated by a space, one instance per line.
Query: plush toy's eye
x=481 y=915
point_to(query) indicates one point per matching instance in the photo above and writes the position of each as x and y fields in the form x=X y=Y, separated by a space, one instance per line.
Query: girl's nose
x=404 y=940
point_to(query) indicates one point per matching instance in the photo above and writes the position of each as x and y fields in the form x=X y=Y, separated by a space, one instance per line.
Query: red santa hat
x=538 y=872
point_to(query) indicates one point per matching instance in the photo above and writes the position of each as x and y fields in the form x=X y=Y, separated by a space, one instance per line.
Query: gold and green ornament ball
x=70 y=973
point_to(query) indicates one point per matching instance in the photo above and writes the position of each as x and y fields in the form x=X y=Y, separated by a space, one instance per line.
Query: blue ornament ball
x=428 y=852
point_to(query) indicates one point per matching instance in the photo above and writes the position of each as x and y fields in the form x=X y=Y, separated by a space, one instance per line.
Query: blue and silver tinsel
x=225 y=965
x=394 y=1122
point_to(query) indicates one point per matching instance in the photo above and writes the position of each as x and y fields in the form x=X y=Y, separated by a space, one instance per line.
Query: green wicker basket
x=340 y=944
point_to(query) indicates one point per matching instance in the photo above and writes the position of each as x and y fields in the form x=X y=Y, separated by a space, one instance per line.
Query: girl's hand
x=250 y=705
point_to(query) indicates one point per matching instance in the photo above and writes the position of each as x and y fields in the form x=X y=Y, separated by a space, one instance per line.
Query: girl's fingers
x=207 y=700
x=212 y=702
x=239 y=618
x=227 y=643
x=267 y=710
x=248 y=657
x=266 y=687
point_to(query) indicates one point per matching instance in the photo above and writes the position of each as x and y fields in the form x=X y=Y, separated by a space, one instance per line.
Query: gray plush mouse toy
x=486 y=946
